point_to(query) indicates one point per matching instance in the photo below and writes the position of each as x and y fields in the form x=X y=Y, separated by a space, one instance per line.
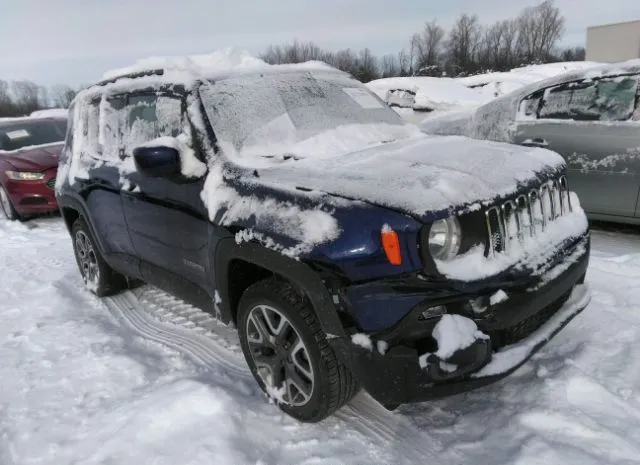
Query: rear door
x=590 y=123
x=101 y=184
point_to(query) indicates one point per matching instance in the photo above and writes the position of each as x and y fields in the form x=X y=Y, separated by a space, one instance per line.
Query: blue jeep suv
x=349 y=250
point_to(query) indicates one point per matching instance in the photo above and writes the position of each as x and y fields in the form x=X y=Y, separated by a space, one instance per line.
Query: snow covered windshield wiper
x=282 y=157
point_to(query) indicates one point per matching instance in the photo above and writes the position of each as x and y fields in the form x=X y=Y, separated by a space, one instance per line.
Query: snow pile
x=431 y=94
x=50 y=113
x=454 y=333
x=532 y=253
x=362 y=340
x=219 y=60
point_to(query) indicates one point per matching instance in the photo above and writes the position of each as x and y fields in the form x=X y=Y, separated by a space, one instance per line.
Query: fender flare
x=295 y=271
x=73 y=203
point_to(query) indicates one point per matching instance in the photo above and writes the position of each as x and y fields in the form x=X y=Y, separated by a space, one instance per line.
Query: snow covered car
x=402 y=98
x=591 y=117
x=425 y=94
x=349 y=249
x=29 y=149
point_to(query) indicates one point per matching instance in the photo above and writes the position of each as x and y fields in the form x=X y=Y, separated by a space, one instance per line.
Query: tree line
x=468 y=47
x=20 y=98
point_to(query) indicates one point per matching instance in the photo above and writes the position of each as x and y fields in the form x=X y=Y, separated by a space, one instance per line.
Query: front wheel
x=8 y=211
x=288 y=352
x=97 y=275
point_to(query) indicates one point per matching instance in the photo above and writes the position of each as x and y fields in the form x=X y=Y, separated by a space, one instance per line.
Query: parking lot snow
x=79 y=386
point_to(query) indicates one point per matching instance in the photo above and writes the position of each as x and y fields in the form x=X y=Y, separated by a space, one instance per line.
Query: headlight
x=444 y=238
x=24 y=175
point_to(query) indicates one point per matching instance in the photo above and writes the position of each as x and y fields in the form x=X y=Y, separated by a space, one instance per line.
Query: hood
x=421 y=176
x=38 y=158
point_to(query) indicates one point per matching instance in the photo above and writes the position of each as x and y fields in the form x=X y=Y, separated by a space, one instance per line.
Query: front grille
x=516 y=333
x=33 y=201
x=526 y=215
x=51 y=183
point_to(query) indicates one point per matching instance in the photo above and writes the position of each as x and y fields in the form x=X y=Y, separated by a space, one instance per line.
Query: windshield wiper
x=283 y=157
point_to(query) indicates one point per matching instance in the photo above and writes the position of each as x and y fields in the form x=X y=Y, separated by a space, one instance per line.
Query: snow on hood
x=431 y=92
x=38 y=158
x=421 y=174
x=50 y=113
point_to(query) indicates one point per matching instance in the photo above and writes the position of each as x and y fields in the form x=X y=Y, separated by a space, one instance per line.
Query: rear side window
x=606 y=99
x=111 y=116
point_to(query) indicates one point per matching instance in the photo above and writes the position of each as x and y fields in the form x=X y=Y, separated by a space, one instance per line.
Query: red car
x=29 y=151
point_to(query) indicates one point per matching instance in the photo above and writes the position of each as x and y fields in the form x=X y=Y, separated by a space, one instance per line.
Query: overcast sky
x=75 y=41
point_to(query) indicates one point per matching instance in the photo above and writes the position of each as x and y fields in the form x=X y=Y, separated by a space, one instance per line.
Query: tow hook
x=462 y=363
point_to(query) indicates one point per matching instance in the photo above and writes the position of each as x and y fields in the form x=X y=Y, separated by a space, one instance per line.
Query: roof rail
x=150 y=72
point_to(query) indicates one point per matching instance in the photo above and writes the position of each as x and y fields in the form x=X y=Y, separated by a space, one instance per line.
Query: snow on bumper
x=399 y=376
x=511 y=357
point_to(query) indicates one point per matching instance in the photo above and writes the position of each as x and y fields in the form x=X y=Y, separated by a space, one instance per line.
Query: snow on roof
x=50 y=113
x=500 y=83
x=218 y=62
x=431 y=92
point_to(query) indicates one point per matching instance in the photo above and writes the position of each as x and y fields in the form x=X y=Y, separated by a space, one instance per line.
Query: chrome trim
x=527 y=214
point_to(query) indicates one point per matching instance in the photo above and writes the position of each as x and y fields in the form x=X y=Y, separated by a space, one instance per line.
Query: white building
x=614 y=42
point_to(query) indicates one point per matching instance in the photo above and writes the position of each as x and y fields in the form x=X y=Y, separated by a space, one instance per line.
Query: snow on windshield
x=300 y=114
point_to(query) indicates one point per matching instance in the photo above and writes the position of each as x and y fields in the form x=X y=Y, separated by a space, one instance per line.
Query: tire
x=97 y=275
x=6 y=207
x=332 y=384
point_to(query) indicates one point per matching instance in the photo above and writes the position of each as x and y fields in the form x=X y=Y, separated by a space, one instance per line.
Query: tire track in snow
x=165 y=319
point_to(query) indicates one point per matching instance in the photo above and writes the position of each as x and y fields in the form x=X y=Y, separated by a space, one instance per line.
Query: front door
x=167 y=220
x=589 y=124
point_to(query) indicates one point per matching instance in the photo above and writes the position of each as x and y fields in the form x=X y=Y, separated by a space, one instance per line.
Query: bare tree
x=62 y=95
x=427 y=45
x=389 y=66
x=404 y=63
x=573 y=54
x=367 y=67
x=540 y=29
x=26 y=96
x=463 y=43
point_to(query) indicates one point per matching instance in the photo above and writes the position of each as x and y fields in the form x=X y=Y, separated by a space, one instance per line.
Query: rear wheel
x=97 y=275
x=6 y=206
x=288 y=352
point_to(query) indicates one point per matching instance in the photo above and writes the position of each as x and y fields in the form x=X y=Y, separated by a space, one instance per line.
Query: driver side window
x=148 y=117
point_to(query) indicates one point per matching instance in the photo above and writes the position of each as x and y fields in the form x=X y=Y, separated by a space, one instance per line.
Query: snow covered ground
x=130 y=380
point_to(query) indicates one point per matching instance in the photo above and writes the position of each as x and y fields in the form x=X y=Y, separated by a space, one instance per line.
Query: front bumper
x=33 y=197
x=518 y=327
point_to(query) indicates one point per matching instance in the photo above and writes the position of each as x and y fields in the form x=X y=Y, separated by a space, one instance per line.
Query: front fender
x=298 y=273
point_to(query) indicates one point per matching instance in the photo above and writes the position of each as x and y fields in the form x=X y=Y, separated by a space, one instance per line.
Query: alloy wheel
x=87 y=258
x=280 y=355
x=5 y=203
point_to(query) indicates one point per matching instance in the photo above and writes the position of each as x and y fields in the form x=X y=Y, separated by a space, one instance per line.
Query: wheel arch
x=251 y=262
x=71 y=209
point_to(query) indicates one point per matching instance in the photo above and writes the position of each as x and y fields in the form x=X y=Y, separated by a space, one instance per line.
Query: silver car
x=591 y=117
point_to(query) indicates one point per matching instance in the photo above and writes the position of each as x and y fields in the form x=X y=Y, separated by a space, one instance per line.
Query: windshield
x=25 y=134
x=272 y=114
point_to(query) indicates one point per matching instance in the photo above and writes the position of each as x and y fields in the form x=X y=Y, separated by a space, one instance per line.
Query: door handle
x=536 y=142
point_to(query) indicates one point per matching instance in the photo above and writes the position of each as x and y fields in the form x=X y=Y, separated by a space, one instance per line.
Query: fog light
x=432 y=312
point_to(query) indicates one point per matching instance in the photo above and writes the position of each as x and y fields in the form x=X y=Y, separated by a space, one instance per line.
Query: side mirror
x=157 y=162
